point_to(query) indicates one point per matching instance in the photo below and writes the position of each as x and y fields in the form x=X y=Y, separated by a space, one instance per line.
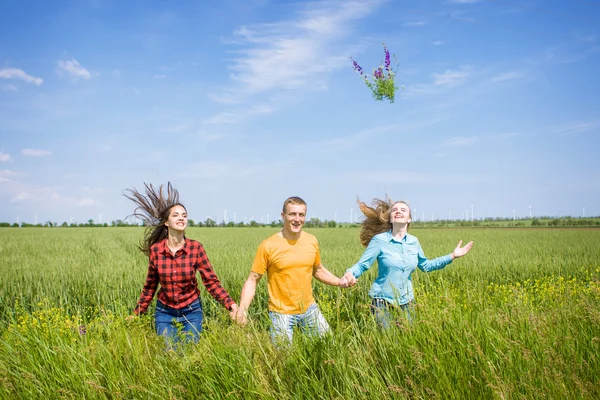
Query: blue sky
x=241 y=104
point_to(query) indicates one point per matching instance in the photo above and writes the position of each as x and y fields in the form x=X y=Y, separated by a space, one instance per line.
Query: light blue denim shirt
x=396 y=260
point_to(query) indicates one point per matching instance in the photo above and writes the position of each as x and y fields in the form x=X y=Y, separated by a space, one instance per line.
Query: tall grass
x=519 y=317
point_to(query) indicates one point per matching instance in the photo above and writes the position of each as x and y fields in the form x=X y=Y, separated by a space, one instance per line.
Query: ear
x=282 y=216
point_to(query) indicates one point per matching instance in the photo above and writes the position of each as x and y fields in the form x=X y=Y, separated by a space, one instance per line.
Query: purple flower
x=356 y=66
x=387 y=57
x=378 y=73
x=82 y=330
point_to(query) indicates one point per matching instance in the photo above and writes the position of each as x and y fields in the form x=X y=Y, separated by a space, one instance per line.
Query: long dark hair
x=153 y=209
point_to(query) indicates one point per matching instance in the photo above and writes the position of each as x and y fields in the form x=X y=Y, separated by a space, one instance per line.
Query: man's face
x=294 y=217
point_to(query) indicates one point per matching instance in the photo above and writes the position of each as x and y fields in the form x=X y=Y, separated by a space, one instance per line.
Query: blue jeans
x=170 y=321
x=310 y=322
x=385 y=312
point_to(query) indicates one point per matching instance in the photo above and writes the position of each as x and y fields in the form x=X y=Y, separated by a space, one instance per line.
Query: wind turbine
x=472 y=213
x=268 y=219
x=335 y=216
x=416 y=214
x=234 y=214
x=224 y=216
x=35 y=223
x=514 y=215
x=530 y=214
x=100 y=219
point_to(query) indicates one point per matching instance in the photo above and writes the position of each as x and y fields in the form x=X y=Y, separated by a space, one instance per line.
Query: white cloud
x=438 y=43
x=450 y=78
x=5 y=157
x=85 y=202
x=296 y=53
x=2 y=179
x=36 y=152
x=73 y=68
x=22 y=196
x=8 y=173
x=415 y=23
x=577 y=127
x=507 y=76
x=223 y=118
x=9 y=88
x=459 y=141
x=14 y=73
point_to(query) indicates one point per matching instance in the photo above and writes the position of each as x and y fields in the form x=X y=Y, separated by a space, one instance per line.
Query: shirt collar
x=164 y=248
x=408 y=238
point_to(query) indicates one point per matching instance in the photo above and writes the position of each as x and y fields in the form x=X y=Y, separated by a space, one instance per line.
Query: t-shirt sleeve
x=318 y=254
x=261 y=260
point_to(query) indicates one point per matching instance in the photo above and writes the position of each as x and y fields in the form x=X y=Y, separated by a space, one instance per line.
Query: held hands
x=347 y=280
x=461 y=251
x=239 y=315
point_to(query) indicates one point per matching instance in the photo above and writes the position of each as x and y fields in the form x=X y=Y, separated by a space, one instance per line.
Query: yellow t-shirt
x=289 y=266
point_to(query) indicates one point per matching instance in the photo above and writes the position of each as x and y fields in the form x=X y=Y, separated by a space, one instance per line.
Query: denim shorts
x=310 y=322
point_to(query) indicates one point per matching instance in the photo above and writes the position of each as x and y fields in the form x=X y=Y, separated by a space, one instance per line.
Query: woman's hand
x=238 y=315
x=347 y=280
x=461 y=251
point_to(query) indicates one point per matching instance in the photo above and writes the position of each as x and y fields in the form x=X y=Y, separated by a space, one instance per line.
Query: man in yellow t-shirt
x=290 y=258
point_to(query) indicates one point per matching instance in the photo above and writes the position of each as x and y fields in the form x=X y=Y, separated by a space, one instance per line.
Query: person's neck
x=175 y=240
x=289 y=235
x=399 y=231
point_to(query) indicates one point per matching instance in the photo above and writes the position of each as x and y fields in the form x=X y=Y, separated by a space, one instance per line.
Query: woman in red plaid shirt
x=173 y=262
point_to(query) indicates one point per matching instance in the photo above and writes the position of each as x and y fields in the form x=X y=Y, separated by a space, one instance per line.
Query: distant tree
x=15 y=225
x=209 y=223
x=5 y=224
x=64 y=224
x=191 y=223
x=90 y=222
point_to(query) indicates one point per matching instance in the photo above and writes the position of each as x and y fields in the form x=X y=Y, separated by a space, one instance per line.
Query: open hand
x=461 y=251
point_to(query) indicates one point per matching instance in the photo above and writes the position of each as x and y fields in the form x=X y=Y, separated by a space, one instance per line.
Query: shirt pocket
x=412 y=257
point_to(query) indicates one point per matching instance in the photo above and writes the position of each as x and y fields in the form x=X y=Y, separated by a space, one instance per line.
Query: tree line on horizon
x=543 y=221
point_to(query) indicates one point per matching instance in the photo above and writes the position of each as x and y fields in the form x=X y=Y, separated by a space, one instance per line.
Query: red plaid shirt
x=177 y=277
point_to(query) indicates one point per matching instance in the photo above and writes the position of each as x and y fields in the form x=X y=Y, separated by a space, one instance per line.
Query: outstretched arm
x=248 y=292
x=324 y=275
x=461 y=251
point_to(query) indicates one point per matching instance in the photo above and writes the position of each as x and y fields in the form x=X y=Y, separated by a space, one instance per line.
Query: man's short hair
x=293 y=200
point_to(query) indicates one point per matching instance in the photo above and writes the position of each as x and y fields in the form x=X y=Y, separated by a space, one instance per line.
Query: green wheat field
x=517 y=318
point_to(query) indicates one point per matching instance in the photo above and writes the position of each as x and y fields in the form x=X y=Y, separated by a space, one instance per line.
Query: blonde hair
x=377 y=218
x=293 y=200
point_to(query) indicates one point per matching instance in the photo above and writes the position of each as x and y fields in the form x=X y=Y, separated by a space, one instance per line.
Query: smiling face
x=400 y=213
x=293 y=218
x=178 y=219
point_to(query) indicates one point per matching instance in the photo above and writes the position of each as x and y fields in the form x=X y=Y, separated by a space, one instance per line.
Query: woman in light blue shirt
x=398 y=254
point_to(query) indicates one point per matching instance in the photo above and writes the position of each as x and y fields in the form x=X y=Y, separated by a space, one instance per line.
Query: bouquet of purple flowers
x=381 y=82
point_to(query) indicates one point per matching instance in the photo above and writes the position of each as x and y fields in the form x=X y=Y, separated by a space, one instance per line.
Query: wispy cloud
x=295 y=53
x=507 y=76
x=415 y=24
x=236 y=117
x=223 y=118
x=73 y=68
x=5 y=157
x=459 y=141
x=438 y=43
x=577 y=127
x=36 y=152
x=14 y=73
x=450 y=78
